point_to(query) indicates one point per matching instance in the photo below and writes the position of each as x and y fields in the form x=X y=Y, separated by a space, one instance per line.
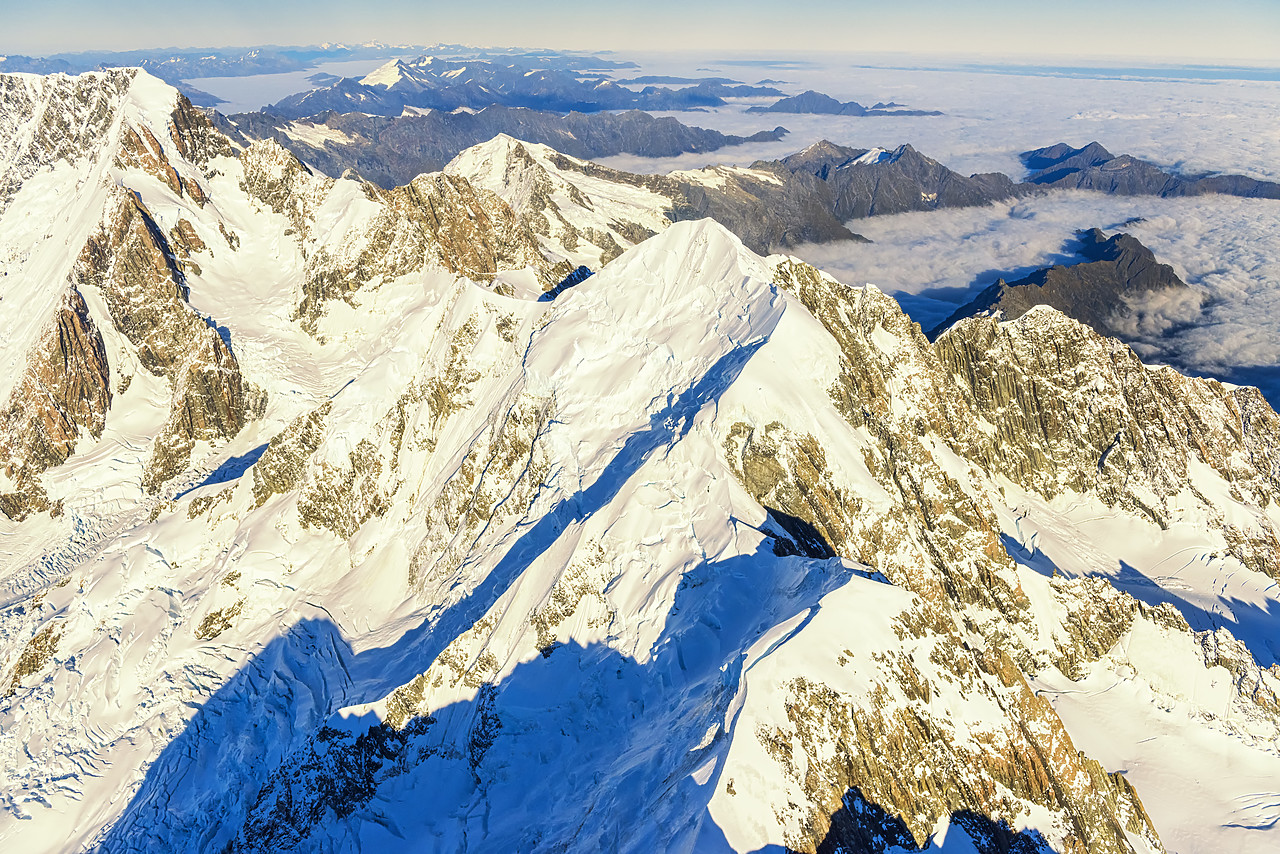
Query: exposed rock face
x=283 y=183
x=129 y=260
x=871 y=183
x=195 y=135
x=283 y=465
x=55 y=119
x=65 y=391
x=475 y=233
x=1106 y=292
x=1072 y=410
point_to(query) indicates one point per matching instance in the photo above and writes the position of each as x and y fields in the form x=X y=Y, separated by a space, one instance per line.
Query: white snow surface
x=522 y=172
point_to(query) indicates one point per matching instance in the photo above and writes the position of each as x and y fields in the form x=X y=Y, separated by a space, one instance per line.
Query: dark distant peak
x=821 y=158
x=1042 y=158
x=1092 y=241
x=1100 y=290
x=1094 y=151
x=1094 y=168
x=813 y=103
x=1061 y=154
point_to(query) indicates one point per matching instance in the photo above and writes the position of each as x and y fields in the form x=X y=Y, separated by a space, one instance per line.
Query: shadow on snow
x=264 y=762
x=1250 y=623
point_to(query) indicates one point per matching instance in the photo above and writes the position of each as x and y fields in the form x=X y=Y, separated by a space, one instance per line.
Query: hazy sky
x=1172 y=29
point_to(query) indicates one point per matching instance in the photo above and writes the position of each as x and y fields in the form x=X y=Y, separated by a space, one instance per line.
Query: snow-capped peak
x=386 y=75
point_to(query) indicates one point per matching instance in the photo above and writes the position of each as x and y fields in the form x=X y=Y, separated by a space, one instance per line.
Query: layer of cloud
x=1194 y=126
x=1227 y=249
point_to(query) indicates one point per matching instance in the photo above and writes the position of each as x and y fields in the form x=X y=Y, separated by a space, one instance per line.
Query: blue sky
x=1241 y=30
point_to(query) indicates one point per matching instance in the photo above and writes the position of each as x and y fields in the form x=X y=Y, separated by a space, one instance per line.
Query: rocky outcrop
x=194 y=133
x=876 y=752
x=1071 y=410
x=284 y=463
x=474 y=233
x=130 y=261
x=140 y=149
x=438 y=219
x=64 y=393
x=276 y=178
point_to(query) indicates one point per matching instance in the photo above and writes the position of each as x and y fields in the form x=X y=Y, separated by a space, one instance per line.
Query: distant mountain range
x=391 y=151
x=1094 y=168
x=430 y=82
x=176 y=66
x=840 y=182
x=816 y=103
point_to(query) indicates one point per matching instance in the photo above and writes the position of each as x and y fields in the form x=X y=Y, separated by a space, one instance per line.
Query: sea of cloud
x=255 y=91
x=1227 y=249
x=1191 y=125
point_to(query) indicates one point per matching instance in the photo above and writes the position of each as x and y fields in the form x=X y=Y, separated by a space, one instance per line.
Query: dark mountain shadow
x=266 y=757
x=863 y=827
x=1030 y=558
x=230 y=469
x=263 y=764
x=1251 y=624
x=579 y=275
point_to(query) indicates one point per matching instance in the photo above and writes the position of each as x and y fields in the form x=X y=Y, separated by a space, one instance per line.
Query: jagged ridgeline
x=327 y=529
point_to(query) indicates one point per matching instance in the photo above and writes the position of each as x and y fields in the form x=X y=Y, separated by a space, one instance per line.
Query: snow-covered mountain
x=327 y=531
x=547 y=82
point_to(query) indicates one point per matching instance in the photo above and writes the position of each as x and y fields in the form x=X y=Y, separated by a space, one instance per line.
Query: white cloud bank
x=1191 y=125
x=1227 y=248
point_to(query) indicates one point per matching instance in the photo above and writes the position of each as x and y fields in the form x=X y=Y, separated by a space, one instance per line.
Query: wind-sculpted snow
x=705 y=551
